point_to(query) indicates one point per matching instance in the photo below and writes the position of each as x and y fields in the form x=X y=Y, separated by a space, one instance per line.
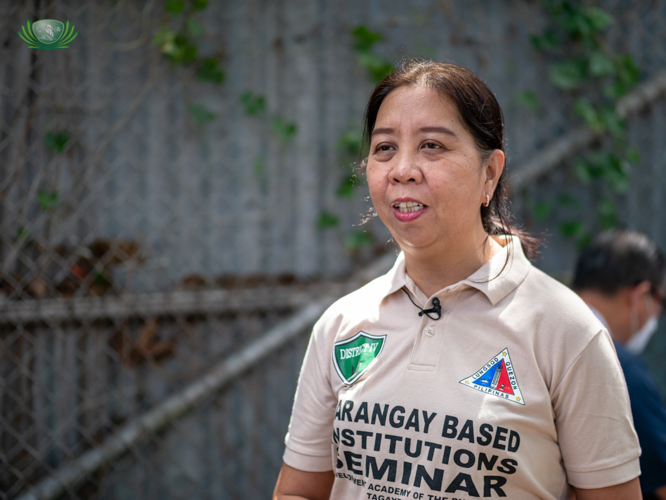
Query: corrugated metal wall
x=229 y=196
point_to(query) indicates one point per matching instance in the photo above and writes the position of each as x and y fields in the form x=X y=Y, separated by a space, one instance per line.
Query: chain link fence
x=157 y=229
x=73 y=392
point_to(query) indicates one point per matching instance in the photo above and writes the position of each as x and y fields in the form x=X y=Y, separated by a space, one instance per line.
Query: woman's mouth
x=406 y=211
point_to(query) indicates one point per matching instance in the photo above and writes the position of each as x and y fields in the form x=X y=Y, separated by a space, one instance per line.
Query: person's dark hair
x=617 y=259
x=480 y=114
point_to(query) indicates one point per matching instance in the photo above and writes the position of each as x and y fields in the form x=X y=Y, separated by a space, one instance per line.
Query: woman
x=464 y=372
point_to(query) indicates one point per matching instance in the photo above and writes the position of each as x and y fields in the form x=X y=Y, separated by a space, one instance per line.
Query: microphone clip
x=435 y=309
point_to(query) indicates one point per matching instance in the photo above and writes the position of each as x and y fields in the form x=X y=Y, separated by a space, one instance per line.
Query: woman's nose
x=406 y=169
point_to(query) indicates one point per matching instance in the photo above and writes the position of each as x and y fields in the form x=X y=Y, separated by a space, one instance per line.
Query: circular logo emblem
x=48 y=34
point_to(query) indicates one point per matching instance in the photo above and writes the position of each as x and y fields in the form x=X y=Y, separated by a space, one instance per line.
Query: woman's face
x=424 y=171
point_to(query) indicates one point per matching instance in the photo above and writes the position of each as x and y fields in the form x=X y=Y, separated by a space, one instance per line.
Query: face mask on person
x=640 y=339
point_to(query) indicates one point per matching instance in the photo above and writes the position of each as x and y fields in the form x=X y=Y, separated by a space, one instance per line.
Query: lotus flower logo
x=48 y=34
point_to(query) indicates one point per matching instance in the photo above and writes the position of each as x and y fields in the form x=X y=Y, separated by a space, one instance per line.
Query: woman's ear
x=493 y=169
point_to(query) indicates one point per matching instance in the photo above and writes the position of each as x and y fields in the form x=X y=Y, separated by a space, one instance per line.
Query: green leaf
x=542 y=210
x=628 y=72
x=616 y=173
x=209 y=71
x=583 y=170
x=581 y=23
x=626 y=77
x=571 y=228
x=28 y=37
x=48 y=201
x=566 y=200
x=614 y=90
x=327 y=221
x=377 y=66
x=527 y=99
x=568 y=75
x=547 y=41
x=56 y=141
x=194 y=27
x=604 y=165
x=346 y=187
x=378 y=73
x=351 y=143
x=252 y=104
x=175 y=46
x=364 y=39
x=101 y=280
x=22 y=233
x=575 y=22
x=607 y=214
x=600 y=64
x=633 y=155
x=164 y=36
x=199 y=4
x=612 y=122
x=599 y=19
x=174 y=6
x=284 y=130
x=183 y=52
x=584 y=109
x=359 y=239
x=201 y=114
x=583 y=239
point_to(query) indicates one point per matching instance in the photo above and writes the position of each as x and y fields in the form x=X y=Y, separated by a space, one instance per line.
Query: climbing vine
x=584 y=66
x=364 y=42
x=178 y=41
x=350 y=144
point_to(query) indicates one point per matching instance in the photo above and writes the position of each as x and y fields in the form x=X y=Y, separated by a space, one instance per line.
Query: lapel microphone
x=435 y=309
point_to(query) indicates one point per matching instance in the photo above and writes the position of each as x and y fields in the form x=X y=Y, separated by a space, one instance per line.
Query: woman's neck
x=434 y=269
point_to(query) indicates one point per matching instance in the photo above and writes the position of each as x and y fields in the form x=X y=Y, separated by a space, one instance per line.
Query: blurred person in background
x=620 y=276
x=464 y=371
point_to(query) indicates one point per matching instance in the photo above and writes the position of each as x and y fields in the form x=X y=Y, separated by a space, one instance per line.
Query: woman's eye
x=431 y=145
x=383 y=148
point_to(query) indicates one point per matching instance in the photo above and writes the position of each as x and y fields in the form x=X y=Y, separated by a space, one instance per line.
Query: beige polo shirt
x=514 y=392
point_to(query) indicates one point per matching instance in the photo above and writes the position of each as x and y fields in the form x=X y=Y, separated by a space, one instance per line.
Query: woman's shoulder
x=360 y=302
x=557 y=305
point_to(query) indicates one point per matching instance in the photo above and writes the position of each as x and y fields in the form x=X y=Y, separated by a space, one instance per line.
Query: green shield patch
x=353 y=357
x=48 y=30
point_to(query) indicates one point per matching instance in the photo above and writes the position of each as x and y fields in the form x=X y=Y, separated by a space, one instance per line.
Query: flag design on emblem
x=497 y=378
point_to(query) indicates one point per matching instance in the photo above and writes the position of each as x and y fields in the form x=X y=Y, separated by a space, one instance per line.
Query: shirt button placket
x=427 y=351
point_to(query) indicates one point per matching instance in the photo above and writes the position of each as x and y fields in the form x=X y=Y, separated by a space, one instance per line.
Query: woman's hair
x=481 y=115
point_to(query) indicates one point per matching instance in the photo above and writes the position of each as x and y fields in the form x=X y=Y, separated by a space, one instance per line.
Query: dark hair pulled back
x=481 y=115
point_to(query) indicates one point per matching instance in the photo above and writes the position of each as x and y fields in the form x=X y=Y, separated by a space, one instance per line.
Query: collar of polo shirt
x=494 y=279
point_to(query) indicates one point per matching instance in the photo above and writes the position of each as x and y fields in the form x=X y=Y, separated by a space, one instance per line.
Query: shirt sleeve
x=308 y=441
x=594 y=424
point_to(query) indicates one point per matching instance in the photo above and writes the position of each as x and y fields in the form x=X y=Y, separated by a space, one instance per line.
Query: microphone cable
x=435 y=309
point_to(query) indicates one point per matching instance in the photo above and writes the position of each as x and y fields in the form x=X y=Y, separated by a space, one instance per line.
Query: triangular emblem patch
x=352 y=357
x=497 y=378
